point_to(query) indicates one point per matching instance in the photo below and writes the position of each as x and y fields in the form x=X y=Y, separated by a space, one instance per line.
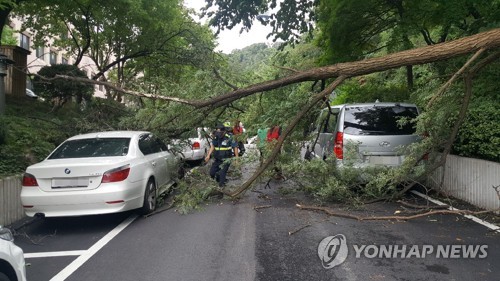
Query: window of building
x=64 y=60
x=40 y=52
x=101 y=87
x=24 y=41
x=53 y=57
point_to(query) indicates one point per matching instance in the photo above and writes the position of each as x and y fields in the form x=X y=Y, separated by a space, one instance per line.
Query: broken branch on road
x=256 y=208
x=331 y=212
x=421 y=206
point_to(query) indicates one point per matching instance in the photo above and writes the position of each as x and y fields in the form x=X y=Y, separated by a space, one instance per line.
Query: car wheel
x=4 y=277
x=181 y=172
x=149 y=204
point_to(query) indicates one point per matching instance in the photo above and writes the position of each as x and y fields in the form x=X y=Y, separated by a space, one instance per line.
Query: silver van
x=321 y=144
x=366 y=134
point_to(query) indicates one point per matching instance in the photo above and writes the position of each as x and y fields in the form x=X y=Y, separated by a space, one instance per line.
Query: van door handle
x=153 y=163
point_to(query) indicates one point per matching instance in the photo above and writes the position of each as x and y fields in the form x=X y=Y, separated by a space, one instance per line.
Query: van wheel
x=149 y=204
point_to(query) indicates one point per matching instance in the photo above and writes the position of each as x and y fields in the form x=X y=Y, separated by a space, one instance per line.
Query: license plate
x=70 y=183
x=385 y=160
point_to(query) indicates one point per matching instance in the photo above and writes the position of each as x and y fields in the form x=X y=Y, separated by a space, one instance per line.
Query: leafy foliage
x=479 y=137
x=129 y=36
x=8 y=36
x=60 y=91
x=289 y=22
x=29 y=137
x=194 y=190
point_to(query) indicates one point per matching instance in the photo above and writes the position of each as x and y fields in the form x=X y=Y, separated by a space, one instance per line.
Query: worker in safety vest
x=222 y=147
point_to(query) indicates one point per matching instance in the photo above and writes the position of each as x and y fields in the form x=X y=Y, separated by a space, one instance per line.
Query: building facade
x=40 y=56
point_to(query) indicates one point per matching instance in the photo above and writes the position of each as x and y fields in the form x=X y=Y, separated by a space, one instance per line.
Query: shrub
x=479 y=135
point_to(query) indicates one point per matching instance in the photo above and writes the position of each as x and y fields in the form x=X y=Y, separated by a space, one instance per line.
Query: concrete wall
x=10 y=201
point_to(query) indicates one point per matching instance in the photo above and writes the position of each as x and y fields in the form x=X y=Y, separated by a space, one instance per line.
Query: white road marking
x=473 y=218
x=54 y=254
x=72 y=267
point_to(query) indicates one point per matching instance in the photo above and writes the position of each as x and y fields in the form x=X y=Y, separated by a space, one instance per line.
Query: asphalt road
x=233 y=241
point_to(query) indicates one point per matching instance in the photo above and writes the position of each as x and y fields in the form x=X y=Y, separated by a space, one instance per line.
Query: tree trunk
x=438 y=52
x=409 y=77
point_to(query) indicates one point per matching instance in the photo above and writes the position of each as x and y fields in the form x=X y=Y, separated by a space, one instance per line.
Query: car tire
x=4 y=277
x=149 y=204
x=181 y=172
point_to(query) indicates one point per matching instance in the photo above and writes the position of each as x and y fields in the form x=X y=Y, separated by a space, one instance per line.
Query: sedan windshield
x=94 y=147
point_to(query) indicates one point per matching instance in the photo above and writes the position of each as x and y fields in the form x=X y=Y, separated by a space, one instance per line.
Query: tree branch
x=274 y=153
x=118 y=89
x=330 y=212
x=437 y=52
x=217 y=74
x=454 y=77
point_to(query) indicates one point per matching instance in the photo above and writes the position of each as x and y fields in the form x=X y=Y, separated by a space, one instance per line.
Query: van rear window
x=379 y=120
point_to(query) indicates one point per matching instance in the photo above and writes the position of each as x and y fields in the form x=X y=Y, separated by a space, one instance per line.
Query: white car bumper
x=107 y=198
x=191 y=155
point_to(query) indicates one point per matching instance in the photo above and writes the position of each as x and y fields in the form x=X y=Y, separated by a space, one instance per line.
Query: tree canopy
x=127 y=36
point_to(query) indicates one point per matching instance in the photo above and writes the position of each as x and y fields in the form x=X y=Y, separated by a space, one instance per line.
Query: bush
x=60 y=91
x=479 y=136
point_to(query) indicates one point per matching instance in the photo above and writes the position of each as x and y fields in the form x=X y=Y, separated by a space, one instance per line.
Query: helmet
x=227 y=124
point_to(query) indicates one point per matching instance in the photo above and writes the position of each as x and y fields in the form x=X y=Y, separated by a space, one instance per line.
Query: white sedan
x=195 y=146
x=98 y=173
x=12 y=264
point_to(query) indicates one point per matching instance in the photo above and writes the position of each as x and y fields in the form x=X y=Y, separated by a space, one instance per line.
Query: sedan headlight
x=6 y=234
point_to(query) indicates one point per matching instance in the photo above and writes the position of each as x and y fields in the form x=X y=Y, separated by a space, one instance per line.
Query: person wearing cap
x=222 y=147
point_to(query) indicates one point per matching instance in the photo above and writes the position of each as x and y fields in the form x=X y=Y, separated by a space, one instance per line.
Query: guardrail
x=11 y=209
x=469 y=179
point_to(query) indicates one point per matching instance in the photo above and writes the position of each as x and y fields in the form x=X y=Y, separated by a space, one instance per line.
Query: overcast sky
x=231 y=39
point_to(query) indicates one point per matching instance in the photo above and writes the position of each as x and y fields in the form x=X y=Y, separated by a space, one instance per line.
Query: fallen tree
x=479 y=44
x=488 y=40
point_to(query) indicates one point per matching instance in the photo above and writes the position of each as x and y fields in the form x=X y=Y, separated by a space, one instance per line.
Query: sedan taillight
x=116 y=175
x=29 y=180
x=196 y=145
x=338 y=146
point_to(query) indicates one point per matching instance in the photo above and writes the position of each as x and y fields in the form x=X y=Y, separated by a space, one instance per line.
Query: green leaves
x=59 y=91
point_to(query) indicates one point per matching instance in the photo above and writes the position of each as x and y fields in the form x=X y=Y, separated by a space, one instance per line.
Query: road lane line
x=72 y=267
x=473 y=218
x=54 y=254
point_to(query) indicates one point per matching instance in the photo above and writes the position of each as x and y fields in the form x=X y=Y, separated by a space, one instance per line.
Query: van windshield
x=379 y=120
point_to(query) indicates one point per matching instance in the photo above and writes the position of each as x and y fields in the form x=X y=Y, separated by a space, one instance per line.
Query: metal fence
x=11 y=209
x=468 y=179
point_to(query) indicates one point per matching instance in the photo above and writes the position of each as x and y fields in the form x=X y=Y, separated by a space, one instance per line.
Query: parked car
x=98 y=173
x=372 y=130
x=195 y=144
x=12 y=264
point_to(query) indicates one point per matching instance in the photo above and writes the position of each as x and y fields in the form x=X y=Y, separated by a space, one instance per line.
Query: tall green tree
x=59 y=91
x=122 y=33
x=6 y=6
